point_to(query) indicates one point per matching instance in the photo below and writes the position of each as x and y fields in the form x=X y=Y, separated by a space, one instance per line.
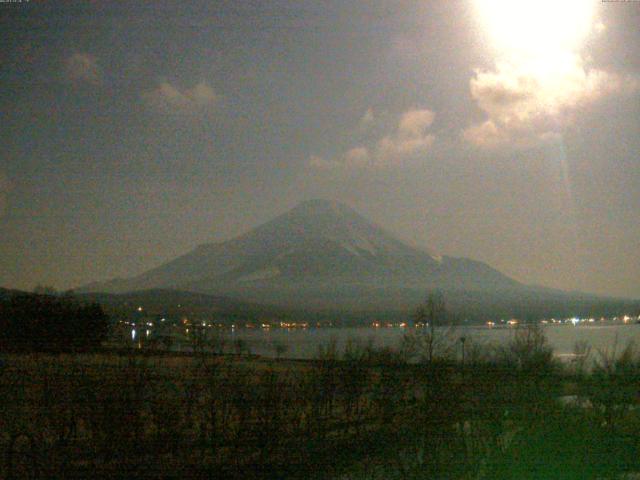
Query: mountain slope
x=317 y=248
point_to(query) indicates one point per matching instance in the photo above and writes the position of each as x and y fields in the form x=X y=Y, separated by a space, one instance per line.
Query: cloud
x=356 y=157
x=529 y=105
x=414 y=123
x=168 y=99
x=410 y=138
x=83 y=67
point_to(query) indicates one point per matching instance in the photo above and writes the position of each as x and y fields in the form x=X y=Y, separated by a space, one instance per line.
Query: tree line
x=44 y=322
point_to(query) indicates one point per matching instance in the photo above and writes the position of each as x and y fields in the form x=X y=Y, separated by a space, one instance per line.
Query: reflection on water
x=303 y=343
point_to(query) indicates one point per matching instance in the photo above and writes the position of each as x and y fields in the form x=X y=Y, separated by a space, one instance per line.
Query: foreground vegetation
x=507 y=412
x=42 y=322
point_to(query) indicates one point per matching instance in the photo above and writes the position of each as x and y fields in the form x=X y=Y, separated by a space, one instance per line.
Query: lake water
x=304 y=343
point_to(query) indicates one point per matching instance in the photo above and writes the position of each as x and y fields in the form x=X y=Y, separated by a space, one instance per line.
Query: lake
x=304 y=343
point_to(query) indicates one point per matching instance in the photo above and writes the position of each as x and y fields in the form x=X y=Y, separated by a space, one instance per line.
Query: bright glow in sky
x=536 y=28
x=541 y=73
x=499 y=130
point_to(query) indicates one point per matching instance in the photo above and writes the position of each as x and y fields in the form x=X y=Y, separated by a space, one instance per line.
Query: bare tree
x=431 y=314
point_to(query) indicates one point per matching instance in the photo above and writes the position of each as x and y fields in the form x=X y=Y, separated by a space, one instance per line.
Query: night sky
x=133 y=131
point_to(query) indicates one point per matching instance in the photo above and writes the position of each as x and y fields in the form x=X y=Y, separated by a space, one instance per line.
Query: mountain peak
x=321 y=206
x=318 y=244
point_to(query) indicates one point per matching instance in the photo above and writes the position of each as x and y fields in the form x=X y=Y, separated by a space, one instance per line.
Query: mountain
x=322 y=256
x=319 y=253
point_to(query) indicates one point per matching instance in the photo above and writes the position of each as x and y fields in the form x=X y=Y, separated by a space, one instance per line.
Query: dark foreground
x=363 y=413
